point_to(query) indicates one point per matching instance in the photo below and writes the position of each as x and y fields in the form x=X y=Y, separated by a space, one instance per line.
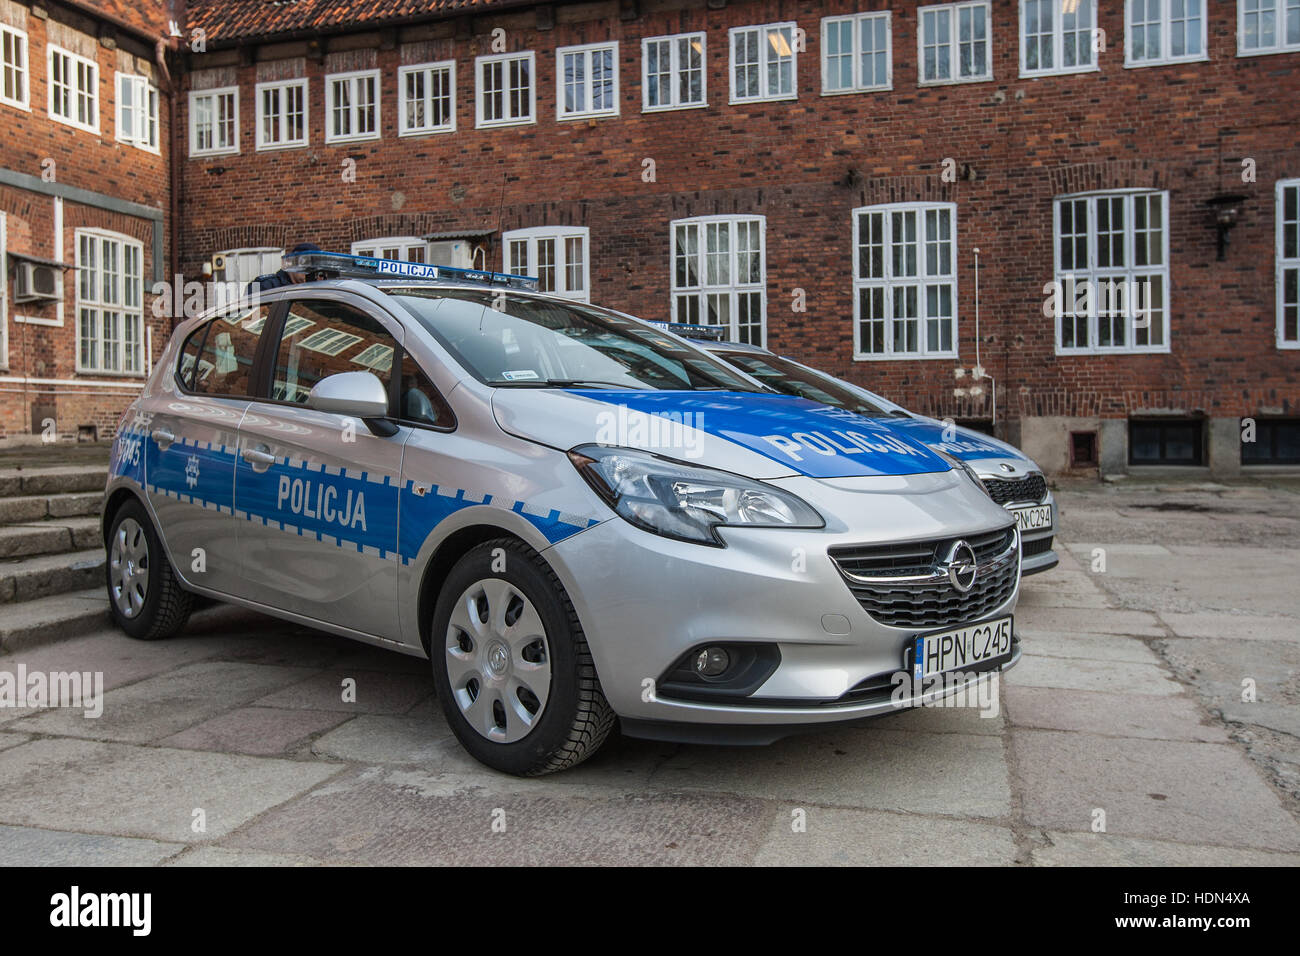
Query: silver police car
x=580 y=519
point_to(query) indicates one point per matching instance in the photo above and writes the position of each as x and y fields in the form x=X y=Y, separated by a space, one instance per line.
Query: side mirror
x=359 y=394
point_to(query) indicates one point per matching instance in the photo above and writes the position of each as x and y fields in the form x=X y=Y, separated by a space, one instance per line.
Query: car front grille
x=1006 y=490
x=1038 y=546
x=899 y=585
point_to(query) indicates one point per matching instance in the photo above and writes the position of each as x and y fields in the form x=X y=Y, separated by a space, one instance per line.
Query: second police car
x=579 y=518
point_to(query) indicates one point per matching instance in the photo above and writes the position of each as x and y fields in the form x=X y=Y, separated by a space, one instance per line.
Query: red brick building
x=85 y=170
x=816 y=177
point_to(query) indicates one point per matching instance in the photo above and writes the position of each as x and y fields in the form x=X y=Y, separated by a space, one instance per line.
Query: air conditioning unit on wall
x=34 y=282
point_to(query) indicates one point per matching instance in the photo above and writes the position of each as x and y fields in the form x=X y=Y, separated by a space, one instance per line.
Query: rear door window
x=218 y=357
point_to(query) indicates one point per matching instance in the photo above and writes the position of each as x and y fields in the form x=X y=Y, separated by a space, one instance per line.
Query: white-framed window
x=857 y=53
x=586 y=81
x=281 y=114
x=399 y=248
x=214 y=121
x=557 y=255
x=15 y=76
x=954 y=44
x=242 y=266
x=1111 y=289
x=1288 y=264
x=73 y=89
x=137 y=112
x=4 y=298
x=1267 y=26
x=719 y=275
x=352 y=106
x=763 y=63
x=672 y=72
x=1056 y=36
x=507 y=89
x=905 y=281
x=426 y=98
x=110 y=310
x=1164 y=31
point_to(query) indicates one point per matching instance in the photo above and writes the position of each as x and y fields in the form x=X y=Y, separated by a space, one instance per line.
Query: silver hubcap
x=128 y=568
x=498 y=660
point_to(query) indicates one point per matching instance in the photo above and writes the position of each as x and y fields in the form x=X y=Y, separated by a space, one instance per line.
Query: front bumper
x=644 y=601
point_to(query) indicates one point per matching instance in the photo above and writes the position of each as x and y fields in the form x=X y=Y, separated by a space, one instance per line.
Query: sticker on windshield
x=520 y=375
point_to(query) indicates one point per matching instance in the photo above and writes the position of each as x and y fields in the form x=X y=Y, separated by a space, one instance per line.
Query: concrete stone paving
x=1159 y=692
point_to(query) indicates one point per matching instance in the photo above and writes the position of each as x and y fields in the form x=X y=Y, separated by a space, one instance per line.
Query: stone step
x=52 y=536
x=29 y=579
x=39 y=507
x=53 y=618
x=52 y=480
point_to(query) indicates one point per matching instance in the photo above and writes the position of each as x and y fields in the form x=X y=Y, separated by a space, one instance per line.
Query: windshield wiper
x=561 y=383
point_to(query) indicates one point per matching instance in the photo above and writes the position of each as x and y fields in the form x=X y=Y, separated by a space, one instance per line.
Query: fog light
x=712 y=662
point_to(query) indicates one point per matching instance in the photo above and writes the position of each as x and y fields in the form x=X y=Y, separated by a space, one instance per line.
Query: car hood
x=754 y=434
x=964 y=443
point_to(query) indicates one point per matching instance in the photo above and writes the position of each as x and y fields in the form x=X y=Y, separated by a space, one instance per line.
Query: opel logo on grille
x=960 y=565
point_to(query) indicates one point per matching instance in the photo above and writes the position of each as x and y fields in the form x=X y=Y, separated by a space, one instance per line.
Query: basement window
x=1277 y=442
x=1174 y=441
x=1083 y=449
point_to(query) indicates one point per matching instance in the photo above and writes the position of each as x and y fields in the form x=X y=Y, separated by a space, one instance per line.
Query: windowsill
x=585 y=116
x=38 y=320
x=1177 y=61
x=888 y=88
x=904 y=357
x=94 y=130
x=958 y=82
x=15 y=104
x=789 y=97
x=1288 y=346
x=497 y=124
x=1157 y=350
x=99 y=372
x=210 y=153
x=433 y=131
x=1287 y=49
x=673 y=109
x=346 y=140
x=1063 y=71
x=276 y=147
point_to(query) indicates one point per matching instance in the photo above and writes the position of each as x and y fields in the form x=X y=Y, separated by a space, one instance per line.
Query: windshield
x=791 y=378
x=514 y=340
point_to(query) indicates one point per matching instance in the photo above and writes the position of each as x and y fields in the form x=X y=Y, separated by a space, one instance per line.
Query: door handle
x=259 y=458
x=163 y=437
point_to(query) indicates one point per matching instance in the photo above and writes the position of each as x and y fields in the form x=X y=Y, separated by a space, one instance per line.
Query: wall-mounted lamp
x=1226 y=208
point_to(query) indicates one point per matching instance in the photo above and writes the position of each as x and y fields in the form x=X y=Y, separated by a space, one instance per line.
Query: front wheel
x=513 y=671
x=144 y=597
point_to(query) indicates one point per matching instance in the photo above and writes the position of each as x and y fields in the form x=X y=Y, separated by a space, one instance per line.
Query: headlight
x=962 y=466
x=682 y=501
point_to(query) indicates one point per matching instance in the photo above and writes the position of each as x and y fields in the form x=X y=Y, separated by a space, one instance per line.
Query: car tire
x=513 y=672
x=145 y=597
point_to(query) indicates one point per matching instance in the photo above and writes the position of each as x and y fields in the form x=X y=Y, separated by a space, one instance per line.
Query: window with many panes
x=73 y=89
x=763 y=63
x=905 y=281
x=1056 y=36
x=1164 y=31
x=672 y=72
x=110 y=311
x=15 y=77
x=507 y=90
x=426 y=98
x=1288 y=264
x=557 y=256
x=400 y=248
x=351 y=106
x=586 y=81
x=856 y=53
x=1267 y=26
x=953 y=43
x=1111 y=292
x=214 y=121
x=137 y=111
x=281 y=114
x=719 y=275
x=242 y=266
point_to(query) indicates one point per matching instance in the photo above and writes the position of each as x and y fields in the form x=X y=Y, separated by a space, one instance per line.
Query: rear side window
x=323 y=338
x=218 y=356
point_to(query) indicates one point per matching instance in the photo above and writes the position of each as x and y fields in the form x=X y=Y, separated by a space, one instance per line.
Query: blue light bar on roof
x=342 y=266
x=710 y=333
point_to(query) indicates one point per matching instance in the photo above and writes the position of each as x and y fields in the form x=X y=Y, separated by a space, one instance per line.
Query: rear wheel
x=144 y=596
x=514 y=675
